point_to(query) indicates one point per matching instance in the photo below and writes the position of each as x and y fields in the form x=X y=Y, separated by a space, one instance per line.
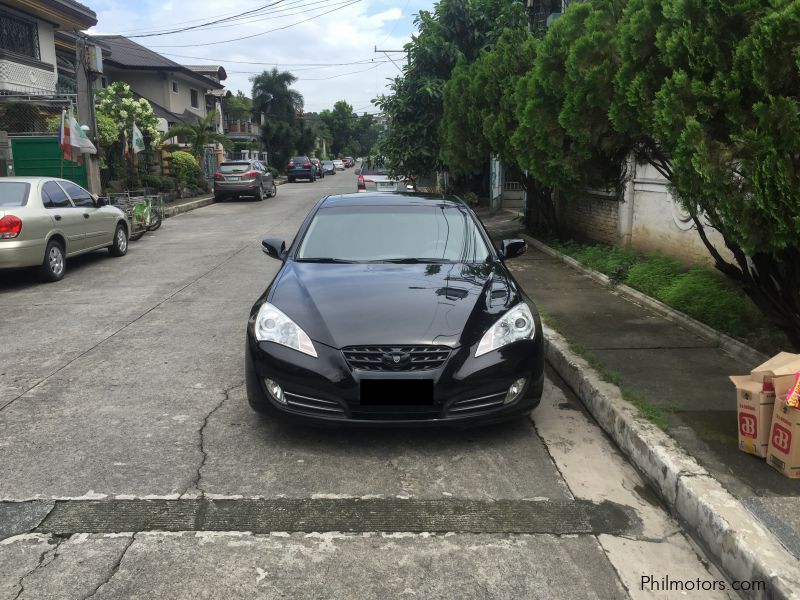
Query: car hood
x=358 y=304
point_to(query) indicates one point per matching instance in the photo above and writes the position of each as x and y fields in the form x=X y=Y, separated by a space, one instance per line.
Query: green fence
x=41 y=156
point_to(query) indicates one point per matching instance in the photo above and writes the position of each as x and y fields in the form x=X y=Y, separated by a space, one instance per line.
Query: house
x=37 y=45
x=214 y=97
x=177 y=94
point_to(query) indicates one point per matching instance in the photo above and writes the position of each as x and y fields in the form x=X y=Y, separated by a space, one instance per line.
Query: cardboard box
x=783 y=452
x=780 y=365
x=754 y=410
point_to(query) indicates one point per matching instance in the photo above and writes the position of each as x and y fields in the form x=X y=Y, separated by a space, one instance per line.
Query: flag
x=137 y=140
x=64 y=136
x=125 y=149
x=79 y=137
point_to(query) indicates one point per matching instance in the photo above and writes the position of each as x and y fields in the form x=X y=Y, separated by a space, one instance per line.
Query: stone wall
x=591 y=217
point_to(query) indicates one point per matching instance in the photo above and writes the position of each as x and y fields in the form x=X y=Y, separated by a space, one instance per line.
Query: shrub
x=185 y=168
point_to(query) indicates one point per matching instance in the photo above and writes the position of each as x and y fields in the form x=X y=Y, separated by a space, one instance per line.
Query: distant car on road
x=394 y=309
x=349 y=161
x=375 y=178
x=328 y=167
x=44 y=221
x=301 y=167
x=243 y=178
x=318 y=165
x=339 y=164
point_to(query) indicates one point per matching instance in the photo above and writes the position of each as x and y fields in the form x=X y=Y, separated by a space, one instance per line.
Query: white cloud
x=347 y=36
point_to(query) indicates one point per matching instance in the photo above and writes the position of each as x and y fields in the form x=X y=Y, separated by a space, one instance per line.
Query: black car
x=301 y=167
x=394 y=309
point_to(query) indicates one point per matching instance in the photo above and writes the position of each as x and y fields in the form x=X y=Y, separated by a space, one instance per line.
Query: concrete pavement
x=122 y=407
x=684 y=375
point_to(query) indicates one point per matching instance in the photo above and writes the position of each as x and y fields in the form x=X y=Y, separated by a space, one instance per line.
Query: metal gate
x=41 y=156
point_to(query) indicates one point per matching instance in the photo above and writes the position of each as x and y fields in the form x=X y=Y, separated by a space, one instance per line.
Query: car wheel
x=260 y=194
x=119 y=247
x=54 y=263
x=291 y=179
x=274 y=191
x=219 y=198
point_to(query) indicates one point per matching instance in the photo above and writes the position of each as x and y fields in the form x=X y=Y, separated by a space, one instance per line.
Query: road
x=132 y=467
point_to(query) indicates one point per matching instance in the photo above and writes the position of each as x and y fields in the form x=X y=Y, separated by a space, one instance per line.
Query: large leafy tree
x=282 y=106
x=341 y=125
x=455 y=30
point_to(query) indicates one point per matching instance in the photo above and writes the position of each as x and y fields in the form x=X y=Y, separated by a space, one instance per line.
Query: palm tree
x=273 y=96
x=200 y=135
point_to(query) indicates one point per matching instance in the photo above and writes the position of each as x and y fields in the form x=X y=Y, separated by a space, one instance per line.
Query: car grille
x=412 y=358
x=318 y=406
x=476 y=405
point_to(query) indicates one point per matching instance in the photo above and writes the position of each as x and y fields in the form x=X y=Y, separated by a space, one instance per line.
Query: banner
x=137 y=140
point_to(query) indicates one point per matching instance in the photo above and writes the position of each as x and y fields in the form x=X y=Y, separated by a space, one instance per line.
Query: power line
x=336 y=76
x=247 y=37
x=182 y=29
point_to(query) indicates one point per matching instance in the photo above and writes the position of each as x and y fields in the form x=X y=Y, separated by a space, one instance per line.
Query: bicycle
x=145 y=213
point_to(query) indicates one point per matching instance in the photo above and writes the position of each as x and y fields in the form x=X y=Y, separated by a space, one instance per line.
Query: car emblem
x=396 y=359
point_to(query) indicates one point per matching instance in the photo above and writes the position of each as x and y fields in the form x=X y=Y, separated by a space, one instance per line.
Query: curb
x=726 y=343
x=171 y=211
x=740 y=545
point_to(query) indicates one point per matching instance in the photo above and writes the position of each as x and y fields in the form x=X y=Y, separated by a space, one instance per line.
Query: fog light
x=275 y=391
x=514 y=391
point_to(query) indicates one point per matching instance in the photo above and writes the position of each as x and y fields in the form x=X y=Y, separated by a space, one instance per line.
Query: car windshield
x=299 y=159
x=234 y=167
x=434 y=233
x=374 y=170
x=14 y=193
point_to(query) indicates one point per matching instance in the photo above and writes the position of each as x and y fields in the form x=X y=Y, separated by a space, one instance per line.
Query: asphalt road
x=132 y=467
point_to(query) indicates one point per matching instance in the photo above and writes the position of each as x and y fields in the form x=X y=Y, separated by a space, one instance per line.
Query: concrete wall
x=148 y=84
x=21 y=77
x=653 y=221
x=181 y=102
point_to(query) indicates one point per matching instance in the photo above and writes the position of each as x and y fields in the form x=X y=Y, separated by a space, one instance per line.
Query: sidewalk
x=684 y=375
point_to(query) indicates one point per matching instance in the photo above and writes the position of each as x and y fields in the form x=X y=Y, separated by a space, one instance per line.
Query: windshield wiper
x=320 y=259
x=413 y=261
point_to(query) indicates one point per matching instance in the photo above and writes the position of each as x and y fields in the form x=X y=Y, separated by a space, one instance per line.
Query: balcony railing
x=241 y=127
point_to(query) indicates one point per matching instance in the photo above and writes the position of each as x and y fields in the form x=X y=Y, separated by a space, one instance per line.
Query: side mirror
x=101 y=201
x=274 y=247
x=512 y=248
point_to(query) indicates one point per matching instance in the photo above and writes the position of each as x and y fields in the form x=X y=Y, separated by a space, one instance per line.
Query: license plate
x=397 y=392
x=386 y=186
x=234 y=178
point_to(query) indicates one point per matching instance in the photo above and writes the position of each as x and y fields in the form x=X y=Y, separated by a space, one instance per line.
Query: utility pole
x=387 y=52
x=86 y=111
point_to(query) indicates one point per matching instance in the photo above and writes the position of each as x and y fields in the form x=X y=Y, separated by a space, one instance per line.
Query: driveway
x=132 y=467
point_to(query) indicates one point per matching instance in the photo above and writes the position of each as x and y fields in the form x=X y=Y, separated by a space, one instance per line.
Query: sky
x=332 y=55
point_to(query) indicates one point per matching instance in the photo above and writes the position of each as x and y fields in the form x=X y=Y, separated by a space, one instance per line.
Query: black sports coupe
x=394 y=308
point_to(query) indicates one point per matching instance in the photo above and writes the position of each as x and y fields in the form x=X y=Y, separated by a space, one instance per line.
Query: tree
x=455 y=30
x=238 y=107
x=273 y=96
x=199 y=135
x=117 y=105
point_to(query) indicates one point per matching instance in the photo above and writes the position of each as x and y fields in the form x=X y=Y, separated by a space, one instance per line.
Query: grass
x=698 y=292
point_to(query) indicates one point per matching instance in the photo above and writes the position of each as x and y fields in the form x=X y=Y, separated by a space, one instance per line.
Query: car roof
x=391 y=199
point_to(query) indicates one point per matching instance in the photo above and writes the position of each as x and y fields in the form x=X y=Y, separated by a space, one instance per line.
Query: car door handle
x=57 y=217
x=85 y=215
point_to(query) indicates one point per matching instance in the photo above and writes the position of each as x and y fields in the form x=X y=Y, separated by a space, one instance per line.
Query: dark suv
x=301 y=167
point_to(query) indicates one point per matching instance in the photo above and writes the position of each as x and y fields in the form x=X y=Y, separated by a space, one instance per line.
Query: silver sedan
x=45 y=220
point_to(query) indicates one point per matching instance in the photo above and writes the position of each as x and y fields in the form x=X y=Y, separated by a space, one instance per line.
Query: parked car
x=328 y=167
x=318 y=166
x=338 y=164
x=374 y=177
x=347 y=333
x=349 y=161
x=301 y=167
x=45 y=220
x=243 y=178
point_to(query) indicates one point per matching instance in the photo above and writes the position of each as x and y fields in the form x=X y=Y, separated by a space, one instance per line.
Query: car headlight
x=516 y=324
x=274 y=326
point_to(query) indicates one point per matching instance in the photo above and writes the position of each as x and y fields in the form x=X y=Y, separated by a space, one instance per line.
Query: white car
x=339 y=164
x=375 y=178
x=46 y=220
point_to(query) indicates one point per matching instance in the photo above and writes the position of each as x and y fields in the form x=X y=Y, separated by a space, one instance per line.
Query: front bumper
x=326 y=390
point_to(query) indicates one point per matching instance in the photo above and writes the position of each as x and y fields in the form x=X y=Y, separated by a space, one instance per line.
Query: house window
x=19 y=35
x=174 y=87
x=195 y=98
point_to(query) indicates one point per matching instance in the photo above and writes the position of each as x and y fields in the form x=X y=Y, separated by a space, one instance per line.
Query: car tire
x=274 y=191
x=291 y=179
x=119 y=247
x=54 y=263
x=260 y=194
x=219 y=198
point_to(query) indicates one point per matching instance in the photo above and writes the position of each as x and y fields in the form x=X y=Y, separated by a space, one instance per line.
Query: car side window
x=54 y=197
x=80 y=197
